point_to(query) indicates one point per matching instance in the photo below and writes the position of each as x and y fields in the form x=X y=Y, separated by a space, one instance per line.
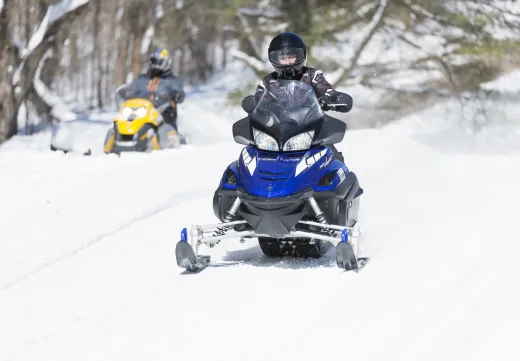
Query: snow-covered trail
x=441 y=284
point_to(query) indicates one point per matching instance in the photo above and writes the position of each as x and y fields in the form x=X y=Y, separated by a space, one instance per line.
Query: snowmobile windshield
x=159 y=101
x=287 y=108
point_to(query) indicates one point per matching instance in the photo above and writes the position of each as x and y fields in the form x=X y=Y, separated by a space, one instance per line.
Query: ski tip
x=184 y=235
x=344 y=235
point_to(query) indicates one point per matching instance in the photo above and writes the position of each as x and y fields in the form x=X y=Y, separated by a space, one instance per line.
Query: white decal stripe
x=309 y=162
x=252 y=166
x=316 y=73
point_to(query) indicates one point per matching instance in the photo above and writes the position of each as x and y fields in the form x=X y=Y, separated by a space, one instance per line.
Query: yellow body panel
x=131 y=127
x=110 y=143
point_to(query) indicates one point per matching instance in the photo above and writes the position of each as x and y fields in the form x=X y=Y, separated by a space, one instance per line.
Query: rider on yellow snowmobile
x=159 y=85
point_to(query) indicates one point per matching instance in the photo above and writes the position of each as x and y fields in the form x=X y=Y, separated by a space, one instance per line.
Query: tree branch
x=254 y=63
x=248 y=33
x=57 y=16
x=270 y=13
x=447 y=72
x=57 y=108
x=372 y=28
x=500 y=9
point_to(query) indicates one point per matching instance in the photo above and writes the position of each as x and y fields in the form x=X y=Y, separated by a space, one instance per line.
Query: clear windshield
x=286 y=107
x=124 y=93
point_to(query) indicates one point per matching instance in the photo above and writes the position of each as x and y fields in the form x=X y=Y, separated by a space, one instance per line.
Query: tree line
x=77 y=52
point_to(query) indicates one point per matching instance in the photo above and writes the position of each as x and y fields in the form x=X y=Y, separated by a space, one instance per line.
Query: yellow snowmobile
x=140 y=127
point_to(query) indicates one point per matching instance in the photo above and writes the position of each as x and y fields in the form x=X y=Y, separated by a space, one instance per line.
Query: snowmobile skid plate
x=345 y=239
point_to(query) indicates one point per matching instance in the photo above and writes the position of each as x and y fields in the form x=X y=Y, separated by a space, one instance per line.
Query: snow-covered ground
x=443 y=128
x=87 y=268
x=484 y=125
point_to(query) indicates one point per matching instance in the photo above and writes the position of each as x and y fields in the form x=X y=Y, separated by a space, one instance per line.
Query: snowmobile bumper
x=344 y=238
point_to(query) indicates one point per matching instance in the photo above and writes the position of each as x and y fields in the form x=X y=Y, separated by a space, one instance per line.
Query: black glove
x=324 y=102
x=335 y=97
x=249 y=103
x=345 y=100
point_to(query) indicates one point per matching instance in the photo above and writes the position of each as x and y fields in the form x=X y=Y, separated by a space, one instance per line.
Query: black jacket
x=321 y=87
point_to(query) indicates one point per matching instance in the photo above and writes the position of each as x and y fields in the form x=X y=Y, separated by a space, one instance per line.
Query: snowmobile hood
x=270 y=174
x=134 y=114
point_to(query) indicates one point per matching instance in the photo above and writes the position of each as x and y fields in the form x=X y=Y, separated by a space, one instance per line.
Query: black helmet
x=288 y=55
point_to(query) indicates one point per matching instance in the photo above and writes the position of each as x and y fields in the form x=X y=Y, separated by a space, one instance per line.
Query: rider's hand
x=324 y=102
x=249 y=103
x=343 y=99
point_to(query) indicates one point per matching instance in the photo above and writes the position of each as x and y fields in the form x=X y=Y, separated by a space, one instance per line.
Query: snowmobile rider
x=159 y=85
x=288 y=55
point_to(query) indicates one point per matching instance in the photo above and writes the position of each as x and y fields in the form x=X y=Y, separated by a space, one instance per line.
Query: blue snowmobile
x=287 y=188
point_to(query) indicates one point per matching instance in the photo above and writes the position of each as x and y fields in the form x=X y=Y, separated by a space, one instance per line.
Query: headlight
x=140 y=112
x=301 y=141
x=264 y=141
x=126 y=112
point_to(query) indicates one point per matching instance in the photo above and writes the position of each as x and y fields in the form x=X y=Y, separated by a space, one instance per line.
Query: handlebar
x=325 y=105
x=337 y=105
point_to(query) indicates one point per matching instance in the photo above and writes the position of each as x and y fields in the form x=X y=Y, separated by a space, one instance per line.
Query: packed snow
x=87 y=267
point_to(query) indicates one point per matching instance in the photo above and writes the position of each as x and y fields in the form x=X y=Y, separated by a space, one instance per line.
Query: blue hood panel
x=273 y=174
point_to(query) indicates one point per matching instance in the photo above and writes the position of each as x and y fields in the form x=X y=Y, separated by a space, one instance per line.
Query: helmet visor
x=156 y=61
x=287 y=56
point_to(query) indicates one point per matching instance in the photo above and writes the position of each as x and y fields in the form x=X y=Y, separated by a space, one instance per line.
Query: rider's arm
x=260 y=88
x=324 y=89
x=177 y=90
x=248 y=101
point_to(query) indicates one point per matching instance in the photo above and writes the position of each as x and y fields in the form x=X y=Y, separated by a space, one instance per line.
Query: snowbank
x=452 y=127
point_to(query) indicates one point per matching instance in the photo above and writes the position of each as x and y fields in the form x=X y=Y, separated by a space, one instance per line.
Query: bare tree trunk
x=8 y=121
x=140 y=18
x=75 y=70
x=224 y=52
x=97 y=53
x=136 y=54
x=110 y=53
x=181 y=62
x=123 y=45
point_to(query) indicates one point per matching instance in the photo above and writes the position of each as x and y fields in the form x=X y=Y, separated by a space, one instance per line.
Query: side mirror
x=242 y=132
x=249 y=104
